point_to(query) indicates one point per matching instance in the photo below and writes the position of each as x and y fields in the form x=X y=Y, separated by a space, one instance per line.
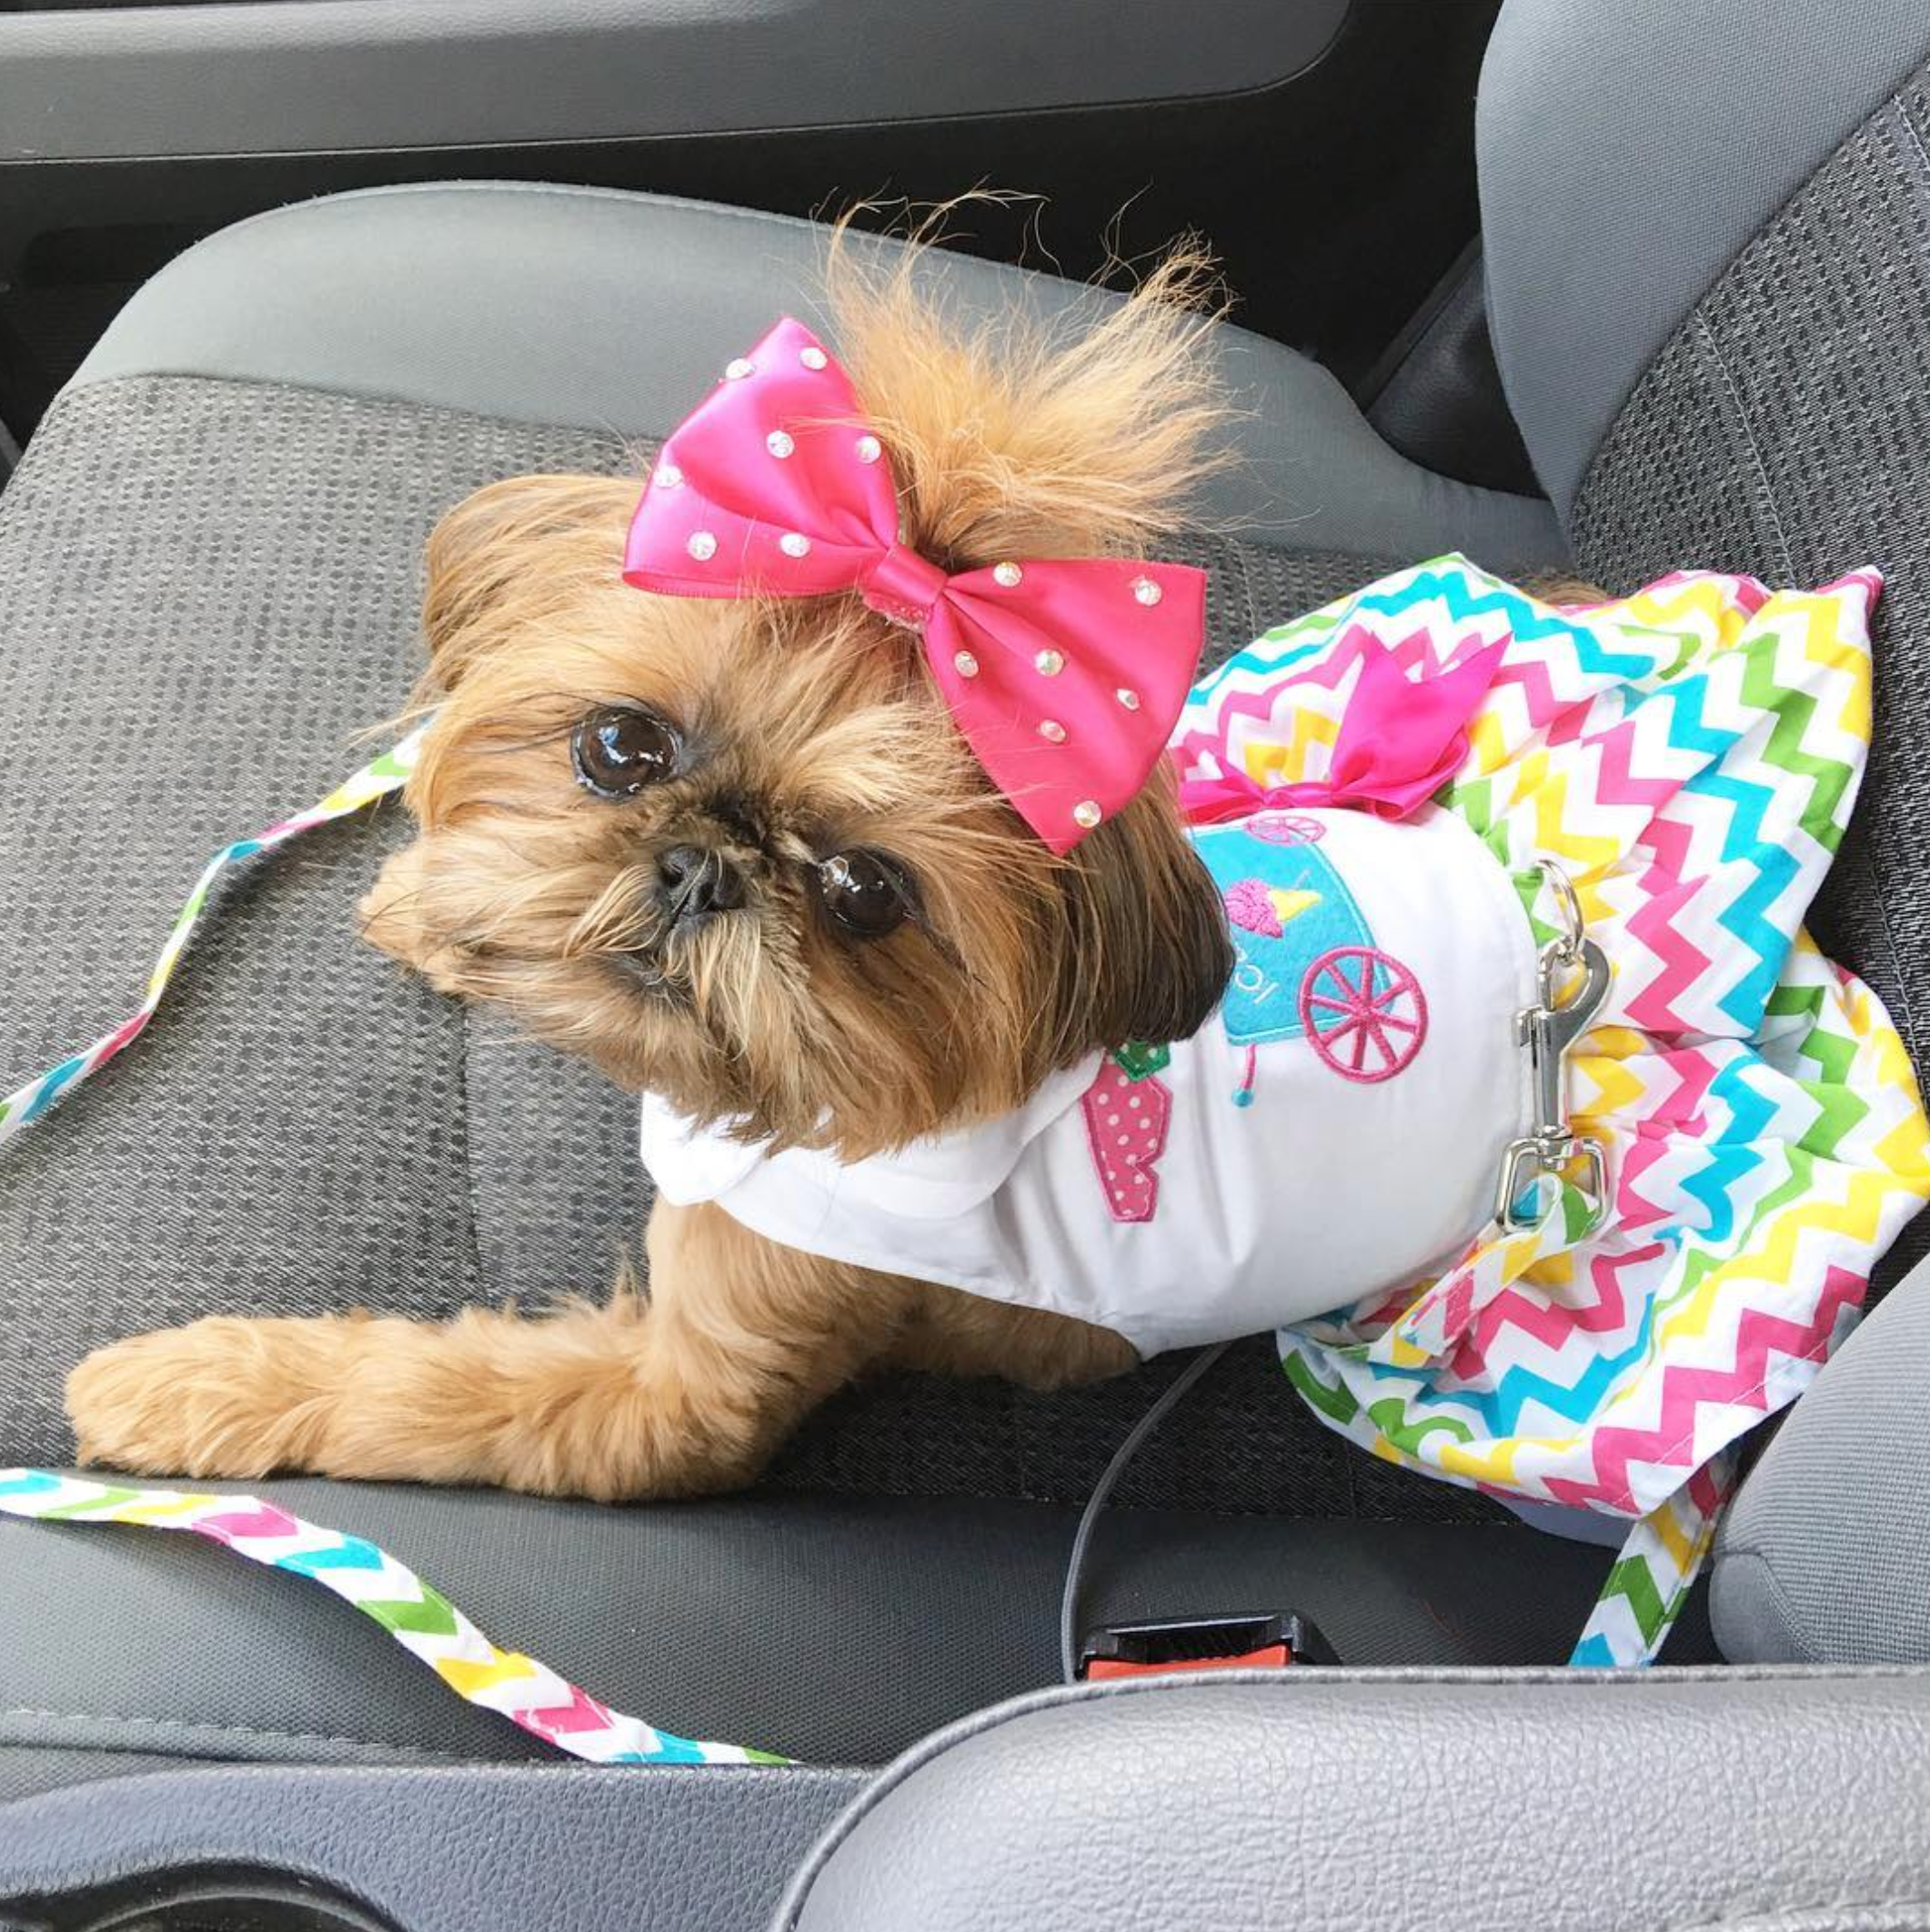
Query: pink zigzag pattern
x=1551 y=1326
x=266 y=1521
x=1409 y=650
x=1547 y=710
x=1633 y=1209
x=1685 y=1391
x=1680 y=962
x=1267 y=704
x=582 y=1713
x=1682 y=1108
x=1617 y=782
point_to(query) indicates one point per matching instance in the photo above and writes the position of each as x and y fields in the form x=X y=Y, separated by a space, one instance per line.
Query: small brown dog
x=897 y=954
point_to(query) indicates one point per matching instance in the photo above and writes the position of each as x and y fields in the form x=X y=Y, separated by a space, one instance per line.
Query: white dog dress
x=1216 y=1186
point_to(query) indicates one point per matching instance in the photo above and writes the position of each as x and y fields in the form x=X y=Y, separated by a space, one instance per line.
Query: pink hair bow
x=1401 y=740
x=1065 y=676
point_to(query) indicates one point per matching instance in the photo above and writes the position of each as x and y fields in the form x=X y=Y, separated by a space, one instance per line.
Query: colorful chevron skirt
x=1689 y=757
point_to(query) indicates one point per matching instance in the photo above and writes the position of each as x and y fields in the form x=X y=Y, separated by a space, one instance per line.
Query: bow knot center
x=903 y=586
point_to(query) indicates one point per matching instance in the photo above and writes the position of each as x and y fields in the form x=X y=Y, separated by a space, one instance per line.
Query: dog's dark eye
x=620 y=750
x=864 y=892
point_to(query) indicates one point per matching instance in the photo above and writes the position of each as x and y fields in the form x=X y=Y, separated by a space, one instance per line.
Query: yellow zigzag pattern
x=1274 y=764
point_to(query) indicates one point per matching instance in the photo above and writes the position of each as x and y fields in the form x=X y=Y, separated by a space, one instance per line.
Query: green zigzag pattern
x=1793 y=710
x=432 y=1614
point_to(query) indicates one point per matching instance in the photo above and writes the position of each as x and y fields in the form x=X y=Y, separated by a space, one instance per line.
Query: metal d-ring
x=1568 y=905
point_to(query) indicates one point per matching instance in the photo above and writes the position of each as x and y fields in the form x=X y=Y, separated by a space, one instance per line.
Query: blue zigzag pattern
x=1467 y=595
x=351 y=1554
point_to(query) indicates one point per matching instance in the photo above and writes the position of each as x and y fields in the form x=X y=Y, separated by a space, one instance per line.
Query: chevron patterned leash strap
x=20 y=1109
x=1650 y=1579
x=417 y=1615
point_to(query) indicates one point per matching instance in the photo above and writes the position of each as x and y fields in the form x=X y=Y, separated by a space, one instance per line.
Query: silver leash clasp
x=1574 y=982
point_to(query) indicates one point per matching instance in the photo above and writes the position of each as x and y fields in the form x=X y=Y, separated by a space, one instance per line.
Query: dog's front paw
x=222 y=1398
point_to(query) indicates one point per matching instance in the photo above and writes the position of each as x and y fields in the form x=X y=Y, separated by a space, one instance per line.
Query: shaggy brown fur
x=808 y=729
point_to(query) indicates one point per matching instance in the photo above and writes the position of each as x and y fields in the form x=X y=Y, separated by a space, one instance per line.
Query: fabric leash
x=417 y=1615
x=388 y=773
x=1650 y=1578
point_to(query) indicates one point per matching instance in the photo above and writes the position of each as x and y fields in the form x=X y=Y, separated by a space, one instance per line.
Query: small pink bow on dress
x=1064 y=675
x=1400 y=740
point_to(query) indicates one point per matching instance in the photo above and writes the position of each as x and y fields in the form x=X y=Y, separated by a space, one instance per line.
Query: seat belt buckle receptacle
x=1217 y=1643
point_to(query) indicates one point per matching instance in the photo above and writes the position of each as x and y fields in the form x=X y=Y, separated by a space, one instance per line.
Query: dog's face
x=736 y=853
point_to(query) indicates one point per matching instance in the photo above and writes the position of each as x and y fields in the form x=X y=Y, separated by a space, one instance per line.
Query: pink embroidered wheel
x=1363 y=1012
x=1286 y=827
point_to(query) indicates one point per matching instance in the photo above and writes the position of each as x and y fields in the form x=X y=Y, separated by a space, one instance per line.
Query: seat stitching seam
x=1910 y=129
x=1704 y=339
x=1740 y=1554
x=231 y=1730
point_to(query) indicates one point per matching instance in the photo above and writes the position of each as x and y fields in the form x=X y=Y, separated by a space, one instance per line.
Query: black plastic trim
x=466 y=1850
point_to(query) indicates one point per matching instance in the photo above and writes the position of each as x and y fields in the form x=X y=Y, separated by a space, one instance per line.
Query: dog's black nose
x=693 y=883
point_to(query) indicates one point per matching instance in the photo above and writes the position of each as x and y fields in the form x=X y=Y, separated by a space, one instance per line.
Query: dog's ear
x=1150 y=954
x=393 y=921
x=512 y=550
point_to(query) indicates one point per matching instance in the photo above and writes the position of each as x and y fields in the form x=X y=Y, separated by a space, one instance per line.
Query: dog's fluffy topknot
x=1044 y=430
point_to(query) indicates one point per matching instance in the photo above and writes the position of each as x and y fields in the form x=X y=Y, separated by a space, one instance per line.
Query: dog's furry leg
x=687 y=1391
x=955 y=1333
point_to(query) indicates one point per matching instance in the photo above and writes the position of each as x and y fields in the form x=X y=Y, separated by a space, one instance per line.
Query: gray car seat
x=1707 y=266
